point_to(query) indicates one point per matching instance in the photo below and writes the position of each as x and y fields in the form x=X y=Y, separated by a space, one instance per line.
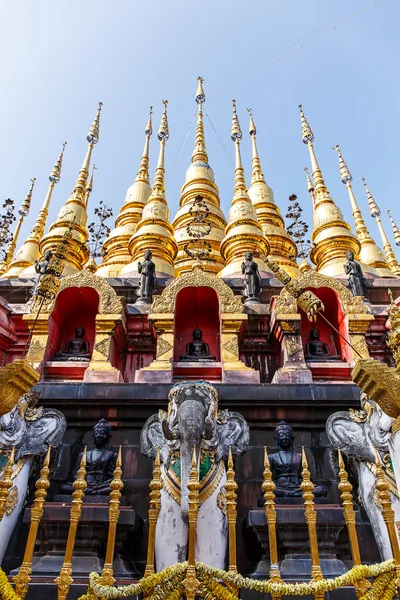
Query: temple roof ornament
x=154 y=230
x=282 y=246
x=75 y=211
x=332 y=236
x=370 y=256
x=243 y=232
x=115 y=248
x=387 y=247
x=23 y=263
x=395 y=229
x=23 y=212
x=199 y=181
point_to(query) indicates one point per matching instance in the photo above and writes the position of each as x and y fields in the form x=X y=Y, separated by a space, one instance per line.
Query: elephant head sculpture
x=31 y=430
x=193 y=421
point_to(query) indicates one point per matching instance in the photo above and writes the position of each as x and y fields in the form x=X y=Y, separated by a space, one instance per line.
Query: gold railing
x=192 y=578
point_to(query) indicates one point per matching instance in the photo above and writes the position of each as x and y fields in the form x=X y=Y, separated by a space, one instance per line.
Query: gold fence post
x=64 y=580
x=116 y=485
x=6 y=483
x=231 y=487
x=191 y=582
x=345 y=489
x=307 y=487
x=23 y=578
x=268 y=488
x=382 y=487
x=154 y=510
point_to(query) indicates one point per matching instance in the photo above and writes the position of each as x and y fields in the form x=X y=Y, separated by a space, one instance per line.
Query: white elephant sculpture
x=356 y=433
x=30 y=431
x=193 y=420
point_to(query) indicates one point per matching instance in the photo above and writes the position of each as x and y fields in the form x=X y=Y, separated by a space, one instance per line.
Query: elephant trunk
x=191 y=426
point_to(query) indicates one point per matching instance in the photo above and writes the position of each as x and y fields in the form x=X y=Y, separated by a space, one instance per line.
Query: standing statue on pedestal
x=286 y=466
x=252 y=280
x=30 y=430
x=100 y=463
x=356 y=277
x=148 y=280
x=41 y=268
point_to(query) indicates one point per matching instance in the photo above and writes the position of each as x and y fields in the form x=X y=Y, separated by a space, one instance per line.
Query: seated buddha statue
x=100 y=463
x=318 y=351
x=286 y=466
x=76 y=349
x=197 y=350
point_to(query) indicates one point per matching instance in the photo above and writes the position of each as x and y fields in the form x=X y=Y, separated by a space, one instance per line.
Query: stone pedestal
x=209 y=370
x=91 y=539
x=293 y=540
x=66 y=370
x=287 y=330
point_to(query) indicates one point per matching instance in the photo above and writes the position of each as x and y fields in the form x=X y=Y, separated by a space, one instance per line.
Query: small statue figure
x=41 y=268
x=148 y=280
x=317 y=350
x=76 y=349
x=100 y=463
x=286 y=466
x=356 y=279
x=197 y=350
x=252 y=280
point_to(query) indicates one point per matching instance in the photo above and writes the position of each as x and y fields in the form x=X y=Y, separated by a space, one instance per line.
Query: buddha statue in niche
x=76 y=349
x=286 y=466
x=316 y=350
x=197 y=350
x=100 y=463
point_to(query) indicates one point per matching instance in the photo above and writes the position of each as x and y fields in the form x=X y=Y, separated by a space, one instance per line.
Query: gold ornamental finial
x=6 y=483
x=149 y=127
x=306 y=132
x=55 y=174
x=94 y=131
x=200 y=152
x=387 y=247
x=26 y=205
x=154 y=229
x=89 y=185
x=282 y=246
x=310 y=185
x=370 y=256
x=236 y=132
x=345 y=174
x=395 y=229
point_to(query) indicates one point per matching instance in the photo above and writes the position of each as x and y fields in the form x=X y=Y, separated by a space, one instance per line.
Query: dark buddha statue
x=76 y=349
x=148 y=280
x=318 y=351
x=197 y=350
x=355 y=274
x=252 y=280
x=286 y=466
x=100 y=463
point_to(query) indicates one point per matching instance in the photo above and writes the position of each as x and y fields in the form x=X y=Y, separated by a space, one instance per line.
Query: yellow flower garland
x=6 y=589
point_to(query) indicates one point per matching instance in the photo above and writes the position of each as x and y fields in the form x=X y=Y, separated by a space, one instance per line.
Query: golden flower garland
x=6 y=589
x=168 y=584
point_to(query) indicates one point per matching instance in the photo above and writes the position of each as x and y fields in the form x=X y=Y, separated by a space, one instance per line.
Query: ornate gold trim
x=207 y=485
x=109 y=302
x=198 y=278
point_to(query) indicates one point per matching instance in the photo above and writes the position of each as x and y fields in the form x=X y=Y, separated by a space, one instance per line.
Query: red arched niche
x=335 y=315
x=74 y=307
x=197 y=307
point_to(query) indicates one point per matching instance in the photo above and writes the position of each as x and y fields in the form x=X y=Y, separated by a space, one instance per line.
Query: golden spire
x=243 y=232
x=370 y=256
x=395 y=229
x=283 y=249
x=199 y=181
x=28 y=253
x=23 y=212
x=154 y=231
x=117 y=258
x=89 y=185
x=387 y=248
x=310 y=187
x=332 y=236
x=74 y=211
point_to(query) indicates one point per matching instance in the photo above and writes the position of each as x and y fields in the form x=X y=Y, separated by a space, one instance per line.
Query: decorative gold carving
x=221 y=500
x=104 y=347
x=16 y=379
x=35 y=347
x=109 y=302
x=6 y=483
x=380 y=382
x=232 y=346
x=163 y=346
x=12 y=500
x=198 y=278
x=394 y=333
x=358 y=416
x=284 y=305
x=23 y=577
x=293 y=345
x=268 y=487
x=156 y=485
x=190 y=582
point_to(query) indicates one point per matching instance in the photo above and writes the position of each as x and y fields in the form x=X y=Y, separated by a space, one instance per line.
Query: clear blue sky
x=59 y=58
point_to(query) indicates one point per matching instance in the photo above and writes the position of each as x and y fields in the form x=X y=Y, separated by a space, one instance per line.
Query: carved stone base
x=292 y=375
x=106 y=376
x=241 y=376
x=153 y=376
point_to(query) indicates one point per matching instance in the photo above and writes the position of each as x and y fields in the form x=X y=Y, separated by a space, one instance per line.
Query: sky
x=338 y=58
